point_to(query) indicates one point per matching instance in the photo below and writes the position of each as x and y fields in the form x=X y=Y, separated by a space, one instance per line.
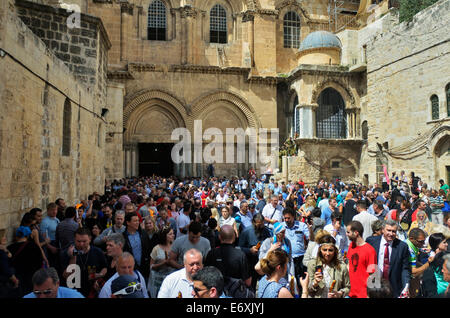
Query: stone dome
x=320 y=39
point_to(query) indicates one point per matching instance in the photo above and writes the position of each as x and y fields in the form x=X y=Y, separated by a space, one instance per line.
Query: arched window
x=67 y=119
x=447 y=93
x=365 y=130
x=330 y=115
x=157 y=21
x=291 y=26
x=218 y=25
x=434 y=107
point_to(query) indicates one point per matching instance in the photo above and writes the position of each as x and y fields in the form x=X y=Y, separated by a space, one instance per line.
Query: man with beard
x=250 y=241
x=362 y=260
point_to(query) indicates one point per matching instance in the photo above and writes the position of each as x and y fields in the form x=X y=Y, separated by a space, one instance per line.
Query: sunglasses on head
x=44 y=292
x=128 y=290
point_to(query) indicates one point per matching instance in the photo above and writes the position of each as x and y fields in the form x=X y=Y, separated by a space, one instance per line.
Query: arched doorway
x=149 y=120
x=330 y=115
x=442 y=159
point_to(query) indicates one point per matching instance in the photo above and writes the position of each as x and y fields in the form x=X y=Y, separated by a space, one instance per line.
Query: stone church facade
x=355 y=89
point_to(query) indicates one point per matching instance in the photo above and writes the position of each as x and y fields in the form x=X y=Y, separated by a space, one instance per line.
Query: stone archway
x=223 y=110
x=440 y=146
x=149 y=119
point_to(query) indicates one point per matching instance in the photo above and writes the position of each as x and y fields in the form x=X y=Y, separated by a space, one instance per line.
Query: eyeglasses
x=128 y=290
x=44 y=292
x=197 y=290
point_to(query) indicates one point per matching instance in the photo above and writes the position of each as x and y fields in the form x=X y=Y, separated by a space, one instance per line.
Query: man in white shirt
x=338 y=232
x=272 y=212
x=365 y=218
x=221 y=198
x=179 y=284
x=124 y=266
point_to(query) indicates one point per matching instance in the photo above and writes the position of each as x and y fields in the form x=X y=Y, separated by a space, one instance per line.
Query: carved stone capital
x=126 y=7
x=188 y=12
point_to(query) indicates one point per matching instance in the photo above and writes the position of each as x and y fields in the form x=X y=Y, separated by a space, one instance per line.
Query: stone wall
x=83 y=49
x=406 y=65
x=34 y=86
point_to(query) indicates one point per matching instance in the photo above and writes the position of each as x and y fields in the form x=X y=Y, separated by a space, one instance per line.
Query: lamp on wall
x=104 y=111
x=111 y=134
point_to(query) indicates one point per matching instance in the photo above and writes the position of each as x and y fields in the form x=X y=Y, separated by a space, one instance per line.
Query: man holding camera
x=90 y=261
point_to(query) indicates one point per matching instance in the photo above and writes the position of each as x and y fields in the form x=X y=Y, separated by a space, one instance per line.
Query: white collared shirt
x=381 y=253
x=176 y=285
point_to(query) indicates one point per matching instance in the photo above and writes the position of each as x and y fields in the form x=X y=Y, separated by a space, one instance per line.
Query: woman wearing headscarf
x=329 y=277
x=278 y=242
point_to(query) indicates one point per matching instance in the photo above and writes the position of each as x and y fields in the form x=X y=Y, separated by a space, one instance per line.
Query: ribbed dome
x=320 y=39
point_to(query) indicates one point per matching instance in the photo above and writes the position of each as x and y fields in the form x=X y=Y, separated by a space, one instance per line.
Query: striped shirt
x=437 y=200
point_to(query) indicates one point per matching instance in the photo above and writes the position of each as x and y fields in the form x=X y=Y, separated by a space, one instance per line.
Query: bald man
x=124 y=266
x=231 y=261
x=180 y=284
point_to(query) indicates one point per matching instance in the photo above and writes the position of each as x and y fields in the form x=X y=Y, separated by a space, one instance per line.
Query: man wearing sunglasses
x=208 y=283
x=46 y=285
x=126 y=286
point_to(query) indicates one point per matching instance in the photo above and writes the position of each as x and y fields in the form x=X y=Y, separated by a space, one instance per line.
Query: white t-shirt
x=366 y=220
x=273 y=213
x=182 y=221
x=230 y=221
x=176 y=285
x=221 y=199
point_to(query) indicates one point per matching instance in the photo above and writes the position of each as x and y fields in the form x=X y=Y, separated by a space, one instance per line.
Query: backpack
x=234 y=287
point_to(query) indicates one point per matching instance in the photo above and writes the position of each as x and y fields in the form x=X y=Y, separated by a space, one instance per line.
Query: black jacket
x=146 y=247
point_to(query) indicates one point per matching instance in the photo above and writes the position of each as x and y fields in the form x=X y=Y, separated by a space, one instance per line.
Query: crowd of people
x=155 y=237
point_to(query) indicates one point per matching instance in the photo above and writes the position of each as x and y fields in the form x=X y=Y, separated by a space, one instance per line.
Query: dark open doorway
x=155 y=158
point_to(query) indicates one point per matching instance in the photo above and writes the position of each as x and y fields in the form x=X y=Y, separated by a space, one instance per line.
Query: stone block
x=54 y=26
x=77 y=60
x=91 y=53
x=75 y=49
x=58 y=36
x=64 y=47
x=35 y=22
x=89 y=34
x=84 y=41
x=50 y=35
x=45 y=24
x=54 y=45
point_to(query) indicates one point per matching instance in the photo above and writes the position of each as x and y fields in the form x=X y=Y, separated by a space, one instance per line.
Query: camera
x=77 y=252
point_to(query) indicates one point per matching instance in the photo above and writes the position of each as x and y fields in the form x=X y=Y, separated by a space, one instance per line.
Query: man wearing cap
x=179 y=284
x=127 y=286
x=124 y=266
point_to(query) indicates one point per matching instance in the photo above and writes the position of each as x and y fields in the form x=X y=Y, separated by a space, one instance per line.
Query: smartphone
x=318 y=269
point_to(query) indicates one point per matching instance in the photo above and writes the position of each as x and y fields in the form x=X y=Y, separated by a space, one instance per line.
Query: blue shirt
x=63 y=292
x=245 y=220
x=135 y=241
x=326 y=215
x=48 y=225
x=296 y=234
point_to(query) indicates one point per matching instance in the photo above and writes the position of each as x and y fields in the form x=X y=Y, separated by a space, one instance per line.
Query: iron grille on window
x=291 y=25
x=218 y=25
x=157 y=21
x=330 y=116
x=434 y=107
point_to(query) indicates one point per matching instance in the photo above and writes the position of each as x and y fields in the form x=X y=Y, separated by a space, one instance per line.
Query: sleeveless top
x=268 y=289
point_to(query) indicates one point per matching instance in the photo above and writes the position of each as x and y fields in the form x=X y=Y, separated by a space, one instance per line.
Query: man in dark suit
x=393 y=257
x=137 y=243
